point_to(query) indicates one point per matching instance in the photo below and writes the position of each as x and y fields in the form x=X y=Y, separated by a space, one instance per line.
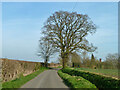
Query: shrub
x=75 y=82
x=99 y=80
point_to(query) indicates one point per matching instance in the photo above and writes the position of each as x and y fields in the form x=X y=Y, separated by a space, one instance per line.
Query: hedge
x=18 y=82
x=99 y=80
x=75 y=82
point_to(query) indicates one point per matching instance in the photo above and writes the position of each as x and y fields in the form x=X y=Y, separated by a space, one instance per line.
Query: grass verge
x=99 y=80
x=75 y=81
x=18 y=82
x=59 y=67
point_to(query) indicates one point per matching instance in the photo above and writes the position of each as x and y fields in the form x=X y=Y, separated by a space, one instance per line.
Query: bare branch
x=67 y=32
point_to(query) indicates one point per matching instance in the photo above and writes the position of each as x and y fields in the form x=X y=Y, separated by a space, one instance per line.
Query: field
x=108 y=72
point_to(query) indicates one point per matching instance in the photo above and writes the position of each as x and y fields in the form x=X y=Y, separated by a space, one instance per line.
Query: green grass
x=0 y=86
x=108 y=72
x=99 y=80
x=18 y=82
x=59 y=67
x=75 y=81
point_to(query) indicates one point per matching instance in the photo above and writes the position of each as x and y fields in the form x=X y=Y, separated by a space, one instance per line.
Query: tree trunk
x=46 y=62
x=63 y=59
x=73 y=65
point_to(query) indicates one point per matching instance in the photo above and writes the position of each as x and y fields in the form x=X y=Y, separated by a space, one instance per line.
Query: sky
x=22 y=23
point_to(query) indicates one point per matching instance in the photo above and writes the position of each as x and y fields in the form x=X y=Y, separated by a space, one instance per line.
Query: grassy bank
x=108 y=72
x=17 y=83
x=99 y=80
x=75 y=81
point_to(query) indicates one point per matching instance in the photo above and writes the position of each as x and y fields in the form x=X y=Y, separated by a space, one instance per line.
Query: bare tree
x=111 y=61
x=46 y=50
x=84 y=55
x=68 y=31
x=60 y=59
x=75 y=59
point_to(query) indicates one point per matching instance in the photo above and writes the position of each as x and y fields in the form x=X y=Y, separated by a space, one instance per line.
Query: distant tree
x=92 y=60
x=111 y=61
x=84 y=55
x=86 y=62
x=46 y=49
x=119 y=63
x=75 y=59
x=85 y=59
x=60 y=60
x=67 y=31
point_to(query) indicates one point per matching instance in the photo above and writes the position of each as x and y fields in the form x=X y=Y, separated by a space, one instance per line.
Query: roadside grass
x=0 y=85
x=59 y=67
x=18 y=82
x=99 y=80
x=75 y=81
x=107 y=72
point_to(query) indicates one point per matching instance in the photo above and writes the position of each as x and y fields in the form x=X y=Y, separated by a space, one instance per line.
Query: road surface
x=47 y=79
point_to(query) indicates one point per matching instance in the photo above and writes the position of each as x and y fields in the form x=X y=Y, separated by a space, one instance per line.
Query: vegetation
x=111 y=61
x=74 y=60
x=11 y=69
x=58 y=67
x=46 y=50
x=99 y=80
x=108 y=72
x=75 y=81
x=89 y=62
x=17 y=83
x=67 y=31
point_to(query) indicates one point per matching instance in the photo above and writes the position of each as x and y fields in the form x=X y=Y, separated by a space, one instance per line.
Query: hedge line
x=75 y=82
x=98 y=80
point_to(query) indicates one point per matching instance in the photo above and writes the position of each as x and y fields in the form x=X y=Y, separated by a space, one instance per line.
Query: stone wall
x=12 y=69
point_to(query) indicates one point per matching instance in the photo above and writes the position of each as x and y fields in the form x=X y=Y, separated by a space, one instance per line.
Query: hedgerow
x=99 y=80
x=75 y=82
x=18 y=82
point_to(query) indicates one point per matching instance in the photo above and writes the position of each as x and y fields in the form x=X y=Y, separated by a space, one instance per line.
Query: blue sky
x=22 y=23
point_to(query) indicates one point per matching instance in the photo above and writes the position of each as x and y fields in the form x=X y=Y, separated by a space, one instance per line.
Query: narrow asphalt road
x=47 y=79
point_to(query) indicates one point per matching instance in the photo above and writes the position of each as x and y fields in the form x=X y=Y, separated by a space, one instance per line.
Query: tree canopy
x=46 y=50
x=67 y=31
